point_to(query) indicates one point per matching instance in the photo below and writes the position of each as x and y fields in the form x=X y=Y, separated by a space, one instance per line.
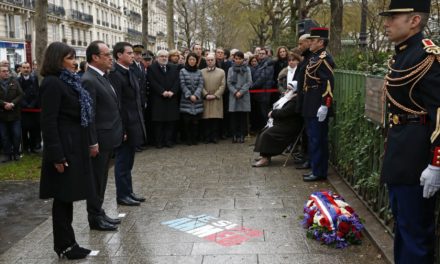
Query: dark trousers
x=211 y=128
x=30 y=130
x=239 y=124
x=10 y=132
x=164 y=132
x=124 y=159
x=100 y=166
x=414 y=228
x=191 y=127
x=62 y=217
x=225 y=128
x=260 y=105
x=318 y=145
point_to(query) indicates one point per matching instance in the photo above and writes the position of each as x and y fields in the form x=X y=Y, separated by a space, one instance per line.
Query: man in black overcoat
x=105 y=131
x=411 y=165
x=163 y=79
x=127 y=89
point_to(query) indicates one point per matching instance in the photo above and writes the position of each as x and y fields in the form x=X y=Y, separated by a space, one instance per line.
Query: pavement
x=205 y=205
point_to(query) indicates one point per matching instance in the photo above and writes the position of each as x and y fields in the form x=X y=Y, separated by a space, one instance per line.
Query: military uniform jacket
x=318 y=83
x=412 y=89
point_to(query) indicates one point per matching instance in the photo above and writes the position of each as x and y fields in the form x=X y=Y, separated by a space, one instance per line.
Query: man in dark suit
x=127 y=89
x=105 y=131
x=138 y=69
x=163 y=79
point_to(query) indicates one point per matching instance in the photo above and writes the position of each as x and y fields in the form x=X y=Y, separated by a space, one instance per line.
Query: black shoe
x=307 y=174
x=74 y=252
x=127 y=201
x=168 y=145
x=234 y=139
x=113 y=221
x=304 y=166
x=312 y=178
x=215 y=141
x=99 y=223
x=17 y=157
x=241 y=139
x=139 y=149
x=137 y=198
x=159 y=146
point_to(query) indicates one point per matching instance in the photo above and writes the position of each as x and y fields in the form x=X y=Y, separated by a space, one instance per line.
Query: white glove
x=322 y=113
x=430 y=179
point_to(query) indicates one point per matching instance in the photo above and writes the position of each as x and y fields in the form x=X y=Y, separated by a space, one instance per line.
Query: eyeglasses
x=106 y=54
x=209 y=59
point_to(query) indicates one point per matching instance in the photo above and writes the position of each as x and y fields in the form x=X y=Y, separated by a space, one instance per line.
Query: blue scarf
x=74 y=82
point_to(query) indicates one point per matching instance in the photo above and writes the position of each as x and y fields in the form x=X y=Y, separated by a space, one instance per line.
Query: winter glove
x=430 y=179
x=322 y=113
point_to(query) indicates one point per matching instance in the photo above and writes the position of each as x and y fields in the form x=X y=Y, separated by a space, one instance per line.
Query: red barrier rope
x=31 y=110
x=272 y=90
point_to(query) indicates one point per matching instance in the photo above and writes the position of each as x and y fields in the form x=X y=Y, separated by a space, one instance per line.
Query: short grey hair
x=162 y=53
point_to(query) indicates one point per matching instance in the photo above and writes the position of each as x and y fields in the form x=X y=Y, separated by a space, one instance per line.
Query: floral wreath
x=329 y=219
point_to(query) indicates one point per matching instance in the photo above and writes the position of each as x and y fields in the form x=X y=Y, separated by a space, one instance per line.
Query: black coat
x=106 y=130
x=164 y=109
x=409 y=147
x=141 y=76
x=31 y=90
x=287 y=124
x=14 y=95
x=64 y=139
x=127 y=88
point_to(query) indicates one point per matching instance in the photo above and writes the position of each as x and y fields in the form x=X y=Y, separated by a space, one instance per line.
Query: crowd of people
x=118 y=102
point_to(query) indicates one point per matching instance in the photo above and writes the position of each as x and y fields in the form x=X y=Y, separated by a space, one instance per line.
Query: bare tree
x=170 y=24
x=336 y=7
x=186 y=9
x=41 y=29
x=145 y=23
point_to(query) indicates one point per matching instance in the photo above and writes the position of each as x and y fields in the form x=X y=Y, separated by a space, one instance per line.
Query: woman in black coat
x=65 y=171
x=283 y=127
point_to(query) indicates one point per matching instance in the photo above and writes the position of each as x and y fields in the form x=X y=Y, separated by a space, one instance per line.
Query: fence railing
x=357 y=147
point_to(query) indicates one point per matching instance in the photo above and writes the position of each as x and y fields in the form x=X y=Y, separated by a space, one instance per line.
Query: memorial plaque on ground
x=374 y=105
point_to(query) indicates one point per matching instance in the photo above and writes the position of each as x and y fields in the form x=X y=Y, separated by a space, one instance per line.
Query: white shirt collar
x=97 y=70
x=122 y=66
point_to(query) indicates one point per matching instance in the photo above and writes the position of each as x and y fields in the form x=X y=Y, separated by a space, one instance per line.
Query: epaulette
x=430 y=47
x=323 y=54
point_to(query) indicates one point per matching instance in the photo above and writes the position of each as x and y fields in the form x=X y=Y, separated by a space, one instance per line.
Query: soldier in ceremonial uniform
x=318 y=96
x=411 y=166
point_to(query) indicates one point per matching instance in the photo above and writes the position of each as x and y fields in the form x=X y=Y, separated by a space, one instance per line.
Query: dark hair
x=93 y=49
x=18 y=65
x=294 y=56
x=239 y=54
x=325 y=42
x=53 y=58
x=279 y=50
x=251 y=58
x=120 y=48
x=192 y=54
x=82 y=65
x=227 y=53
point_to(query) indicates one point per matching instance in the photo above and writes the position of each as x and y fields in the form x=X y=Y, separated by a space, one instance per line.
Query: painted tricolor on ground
x=210 y=228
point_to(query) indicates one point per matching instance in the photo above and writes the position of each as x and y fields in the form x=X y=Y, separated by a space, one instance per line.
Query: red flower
x=340 y=234
x=358 y=235
x=344 y=227
x=349 y=209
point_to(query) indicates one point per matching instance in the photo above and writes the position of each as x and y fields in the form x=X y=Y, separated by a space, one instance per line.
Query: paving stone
x=166 y=259
x=230 y=259
x=215 y=180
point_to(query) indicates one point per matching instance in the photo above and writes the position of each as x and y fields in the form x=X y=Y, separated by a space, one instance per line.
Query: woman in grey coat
x=239 y=81
x=191 y=101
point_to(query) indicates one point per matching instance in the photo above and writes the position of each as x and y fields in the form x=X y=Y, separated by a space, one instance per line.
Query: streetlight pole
x=276 y=25
x=363 y=33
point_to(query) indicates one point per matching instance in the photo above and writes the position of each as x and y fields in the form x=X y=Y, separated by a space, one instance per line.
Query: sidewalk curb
x=373 y=228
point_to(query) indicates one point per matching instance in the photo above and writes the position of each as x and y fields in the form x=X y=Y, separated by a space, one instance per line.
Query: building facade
x=77 y=23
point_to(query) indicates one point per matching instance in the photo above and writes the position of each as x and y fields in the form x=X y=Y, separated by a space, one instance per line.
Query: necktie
x=109 y=83
x=164 y=68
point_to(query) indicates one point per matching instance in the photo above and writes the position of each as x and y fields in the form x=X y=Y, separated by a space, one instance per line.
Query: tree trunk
x=41 y=29
x=336 y=8
x=170 y=24
x=145 y=23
